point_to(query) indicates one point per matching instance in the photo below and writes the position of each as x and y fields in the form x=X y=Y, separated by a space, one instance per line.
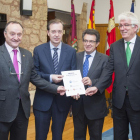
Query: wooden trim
x=101 y=25
x=105 y=25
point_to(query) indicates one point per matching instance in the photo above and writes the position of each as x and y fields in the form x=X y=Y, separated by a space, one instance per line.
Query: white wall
x=65 y=5
x=101 y=8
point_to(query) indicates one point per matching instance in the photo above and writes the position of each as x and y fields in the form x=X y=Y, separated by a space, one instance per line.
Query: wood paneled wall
x=102 y=28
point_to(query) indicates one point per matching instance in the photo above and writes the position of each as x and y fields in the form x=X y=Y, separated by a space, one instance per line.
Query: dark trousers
x=121 y=119
x=17 y=128
x=42 y=122
x=81 y=122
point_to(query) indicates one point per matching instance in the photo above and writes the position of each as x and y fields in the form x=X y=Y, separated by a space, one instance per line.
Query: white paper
x=73 y=82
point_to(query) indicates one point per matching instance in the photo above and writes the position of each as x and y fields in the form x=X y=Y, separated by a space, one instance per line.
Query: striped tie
x=55 y=59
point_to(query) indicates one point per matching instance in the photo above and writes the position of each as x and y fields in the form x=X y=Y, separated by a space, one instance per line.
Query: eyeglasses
x=54 y=31
x=125 y=25
x=89 y=41
x=12 y=73
x=14 y=34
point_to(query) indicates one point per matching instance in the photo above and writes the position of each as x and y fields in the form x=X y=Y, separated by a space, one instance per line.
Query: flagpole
x=71 y=1
x=73 y=23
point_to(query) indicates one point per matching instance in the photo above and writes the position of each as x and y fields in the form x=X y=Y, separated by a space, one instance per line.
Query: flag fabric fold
x=111 y=37
x=132 y=6
x=91 y=24
x=73 y=23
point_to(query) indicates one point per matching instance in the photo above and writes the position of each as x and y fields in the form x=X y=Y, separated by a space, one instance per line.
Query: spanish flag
x=91 y=24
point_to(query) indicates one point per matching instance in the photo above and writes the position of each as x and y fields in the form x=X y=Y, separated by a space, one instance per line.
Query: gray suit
x=11 y=90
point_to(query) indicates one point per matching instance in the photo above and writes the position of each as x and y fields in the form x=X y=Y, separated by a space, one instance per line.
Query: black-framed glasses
x=89 y=41
x=13 y=73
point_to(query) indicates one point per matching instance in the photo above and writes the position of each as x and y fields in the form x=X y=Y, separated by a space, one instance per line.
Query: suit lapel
x=80 y=57
x=121 y=47
x=62 y=58
x=135 y=52
x=23 y=63
x=7 y=57
x=94 y=64
x=47 y=52
x=8 y=60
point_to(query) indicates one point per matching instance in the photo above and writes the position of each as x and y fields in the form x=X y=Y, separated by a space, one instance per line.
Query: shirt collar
x=52 y=46
x=92 y=54
x=133 y=40
x=9 y=48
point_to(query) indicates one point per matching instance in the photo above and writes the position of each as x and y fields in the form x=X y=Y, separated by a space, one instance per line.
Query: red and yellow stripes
x=91 y=24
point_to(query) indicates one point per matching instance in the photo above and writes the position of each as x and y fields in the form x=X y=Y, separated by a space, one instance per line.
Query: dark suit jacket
x=11 y=90
x=125 y=77
x=44 y=67
x=95 y=105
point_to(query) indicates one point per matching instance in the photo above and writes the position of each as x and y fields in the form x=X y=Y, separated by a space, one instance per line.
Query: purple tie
x=15 y=62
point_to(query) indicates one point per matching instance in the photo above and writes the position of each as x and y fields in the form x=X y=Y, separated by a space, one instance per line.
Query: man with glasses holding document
x=89 y=111
x=16 y=71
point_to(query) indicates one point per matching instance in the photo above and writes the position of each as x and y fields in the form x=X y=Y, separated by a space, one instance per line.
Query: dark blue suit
x=47 y=103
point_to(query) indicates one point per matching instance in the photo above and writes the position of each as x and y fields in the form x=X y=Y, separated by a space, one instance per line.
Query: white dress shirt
x=90 y=59
x=11 y=53
x=52 y=52
x=58 y=51
x=131 y=45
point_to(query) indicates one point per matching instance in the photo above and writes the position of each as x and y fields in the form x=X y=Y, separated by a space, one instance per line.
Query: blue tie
x=55 y=60
x=86 y=66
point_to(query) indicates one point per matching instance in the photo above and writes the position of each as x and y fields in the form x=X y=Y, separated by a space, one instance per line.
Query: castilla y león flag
x=111 y=37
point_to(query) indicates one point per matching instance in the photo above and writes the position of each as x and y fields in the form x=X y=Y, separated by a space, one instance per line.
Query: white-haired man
x=125 y=61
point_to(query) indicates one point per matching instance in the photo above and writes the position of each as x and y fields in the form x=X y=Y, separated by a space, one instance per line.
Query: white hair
x=130 y=16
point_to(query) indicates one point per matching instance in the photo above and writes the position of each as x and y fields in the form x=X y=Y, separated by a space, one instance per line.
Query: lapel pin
x=23 y=55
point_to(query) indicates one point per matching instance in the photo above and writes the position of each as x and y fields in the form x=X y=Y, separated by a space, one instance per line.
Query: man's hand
x=90 y=91
x=57 y=78
x=87 y=81
x=76 y=97
x=61 y=90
